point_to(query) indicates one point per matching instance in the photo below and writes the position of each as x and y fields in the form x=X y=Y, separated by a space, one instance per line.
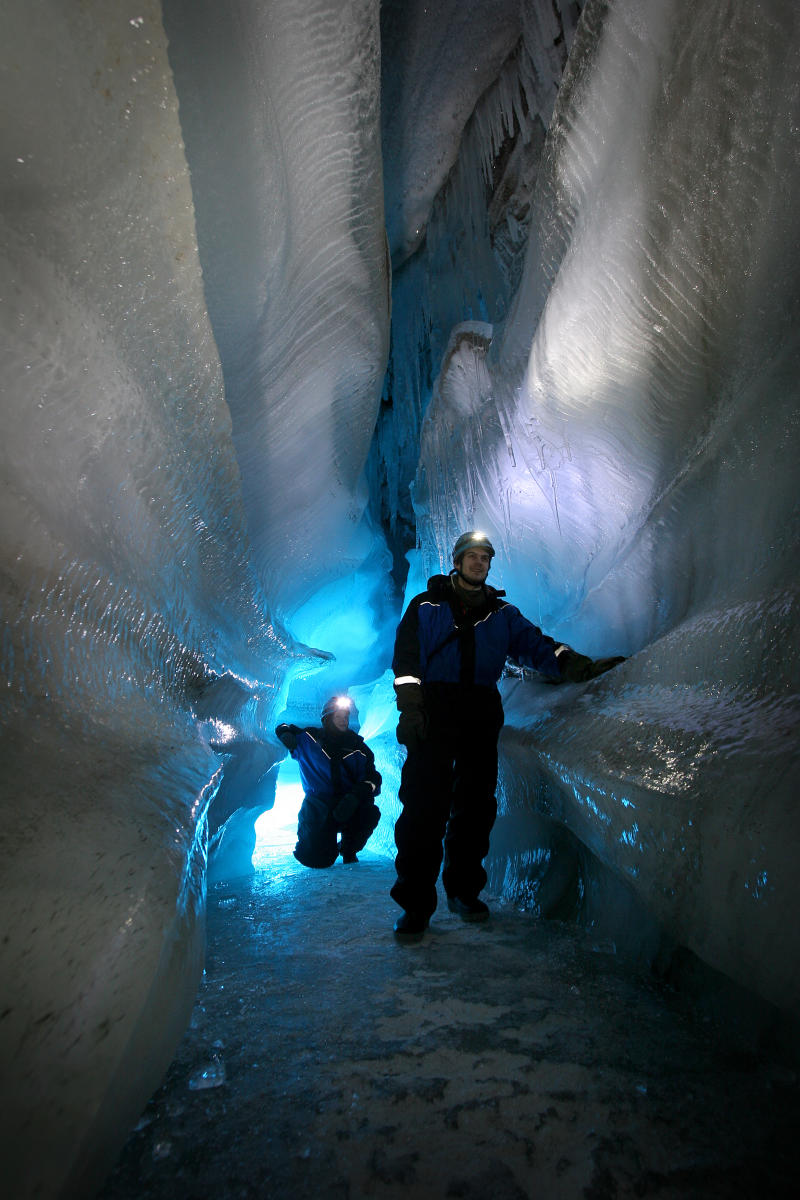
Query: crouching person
x=337 y=771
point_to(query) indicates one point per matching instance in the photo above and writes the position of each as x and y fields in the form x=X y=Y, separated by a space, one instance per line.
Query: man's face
x=340 y=718
x=475 y=565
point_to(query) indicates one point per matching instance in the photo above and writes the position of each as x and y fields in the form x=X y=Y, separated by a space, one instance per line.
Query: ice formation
x=141 y=653
x=616 y=454
x=594 y=355
x=280 y=113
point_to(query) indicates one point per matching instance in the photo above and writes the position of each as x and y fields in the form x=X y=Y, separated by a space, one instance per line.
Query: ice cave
x=295 y=291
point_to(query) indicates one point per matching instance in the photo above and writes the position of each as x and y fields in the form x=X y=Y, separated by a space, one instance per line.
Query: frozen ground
x=499 y=1062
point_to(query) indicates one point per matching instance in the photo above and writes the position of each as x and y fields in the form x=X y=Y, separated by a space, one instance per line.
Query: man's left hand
x=600 y=665
x=579 y=668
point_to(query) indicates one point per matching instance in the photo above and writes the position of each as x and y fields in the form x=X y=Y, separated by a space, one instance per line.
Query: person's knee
x=310 y=857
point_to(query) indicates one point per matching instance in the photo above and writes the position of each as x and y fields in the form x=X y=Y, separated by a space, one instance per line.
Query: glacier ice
x=141 y=650
x=628 y=431
x=594 y=354
x=437 y=60
x=280 y=112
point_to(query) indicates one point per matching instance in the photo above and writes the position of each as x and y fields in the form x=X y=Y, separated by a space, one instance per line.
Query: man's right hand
x=412 y=727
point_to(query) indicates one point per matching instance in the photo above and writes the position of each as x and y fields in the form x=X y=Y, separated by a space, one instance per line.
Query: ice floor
x=495 y=1062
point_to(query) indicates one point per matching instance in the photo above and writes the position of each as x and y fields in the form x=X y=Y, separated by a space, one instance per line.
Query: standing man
x=337 y=770
x=450 y=650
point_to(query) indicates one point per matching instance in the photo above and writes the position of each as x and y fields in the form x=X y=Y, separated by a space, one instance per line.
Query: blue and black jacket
x=333 y=764
x=442 y=641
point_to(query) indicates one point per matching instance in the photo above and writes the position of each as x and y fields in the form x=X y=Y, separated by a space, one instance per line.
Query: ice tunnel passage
x=590 y=216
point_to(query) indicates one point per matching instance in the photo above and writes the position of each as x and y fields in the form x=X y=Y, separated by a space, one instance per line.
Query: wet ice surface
x=514 y=1059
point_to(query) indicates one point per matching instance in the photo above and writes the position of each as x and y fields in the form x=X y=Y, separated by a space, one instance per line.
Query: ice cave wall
x=627 y=430
x=280 y=109
x=140 y=650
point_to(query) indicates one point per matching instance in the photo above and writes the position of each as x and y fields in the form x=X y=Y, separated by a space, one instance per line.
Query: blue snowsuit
x=337 y=770
x=455 y=655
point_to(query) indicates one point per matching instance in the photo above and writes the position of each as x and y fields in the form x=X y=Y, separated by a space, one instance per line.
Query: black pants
x=317 y=829
x=447 y=790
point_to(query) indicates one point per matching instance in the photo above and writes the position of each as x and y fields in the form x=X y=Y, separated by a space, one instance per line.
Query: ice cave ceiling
x=292 y=293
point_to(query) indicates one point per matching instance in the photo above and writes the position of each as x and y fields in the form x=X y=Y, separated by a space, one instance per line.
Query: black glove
x=600 y=665
x=288 y=735
x=578 y=668
x=346 y=808
x=412 y=727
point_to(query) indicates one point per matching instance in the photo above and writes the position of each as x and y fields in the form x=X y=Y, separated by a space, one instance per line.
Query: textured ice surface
x=516 y=1059
x=138 y=649
x=280 y=112
x=437 y=60
x=628 y=433
x=475 y=226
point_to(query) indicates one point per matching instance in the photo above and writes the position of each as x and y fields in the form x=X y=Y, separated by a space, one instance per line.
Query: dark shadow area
x=510 y=1060
x=556 y=877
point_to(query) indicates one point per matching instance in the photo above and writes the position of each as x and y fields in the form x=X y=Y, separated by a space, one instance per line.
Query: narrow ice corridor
x=292 y=293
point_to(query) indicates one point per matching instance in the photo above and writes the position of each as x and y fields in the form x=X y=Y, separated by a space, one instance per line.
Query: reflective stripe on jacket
x=332 y=766
x=440 y=641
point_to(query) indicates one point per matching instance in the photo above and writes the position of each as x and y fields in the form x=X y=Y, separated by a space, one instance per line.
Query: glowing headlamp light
x=340 y=704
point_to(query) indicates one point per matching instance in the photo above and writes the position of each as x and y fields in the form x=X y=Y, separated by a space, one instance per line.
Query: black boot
x=410 y=927
x=468 y=910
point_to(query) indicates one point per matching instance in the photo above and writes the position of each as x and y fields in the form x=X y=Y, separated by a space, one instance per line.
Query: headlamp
x=342 y=704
